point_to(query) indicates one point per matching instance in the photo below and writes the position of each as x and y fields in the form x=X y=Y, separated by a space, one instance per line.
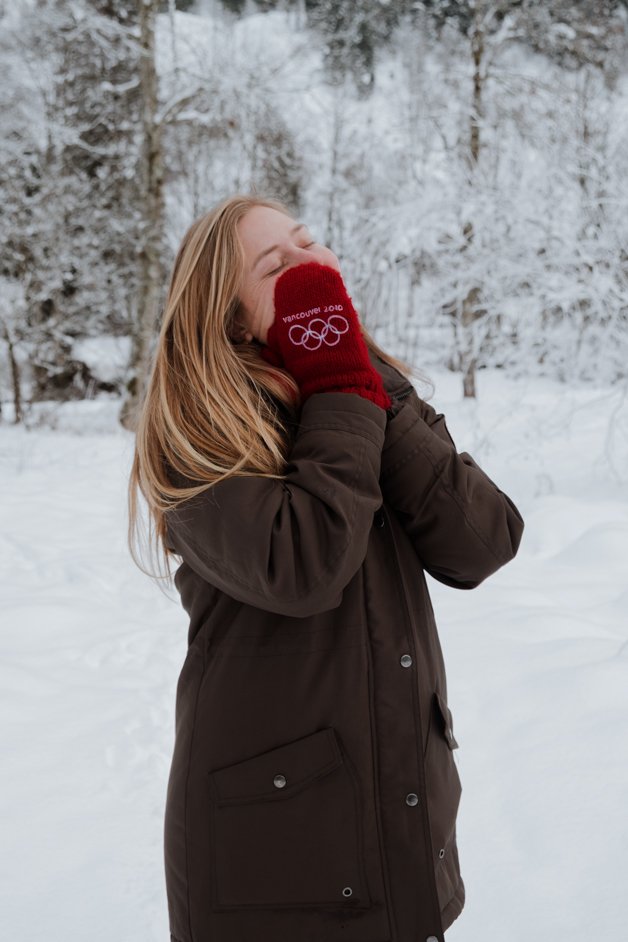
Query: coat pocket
x=444 y=790
x=287 y=828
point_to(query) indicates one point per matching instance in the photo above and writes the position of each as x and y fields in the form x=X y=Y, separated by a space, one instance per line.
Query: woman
x=290 y=466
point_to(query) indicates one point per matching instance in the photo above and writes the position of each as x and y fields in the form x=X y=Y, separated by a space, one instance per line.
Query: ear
x=240 y=333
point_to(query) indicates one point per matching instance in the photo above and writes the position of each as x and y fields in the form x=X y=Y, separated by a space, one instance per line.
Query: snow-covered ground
x=537 y=661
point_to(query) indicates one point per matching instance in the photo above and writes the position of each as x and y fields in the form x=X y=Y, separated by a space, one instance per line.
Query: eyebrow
x=261 y=255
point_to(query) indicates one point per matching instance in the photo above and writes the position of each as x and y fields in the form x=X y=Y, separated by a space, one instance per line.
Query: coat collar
x=394 y=381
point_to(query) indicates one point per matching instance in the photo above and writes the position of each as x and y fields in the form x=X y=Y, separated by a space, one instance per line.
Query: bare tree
x=150 y=257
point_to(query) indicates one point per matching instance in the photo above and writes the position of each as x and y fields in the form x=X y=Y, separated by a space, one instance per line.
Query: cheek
x=267 y=304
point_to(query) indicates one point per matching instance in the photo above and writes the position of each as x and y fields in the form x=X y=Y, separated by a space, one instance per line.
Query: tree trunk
x=15 y=375
x=151 y=275
x=470 y=312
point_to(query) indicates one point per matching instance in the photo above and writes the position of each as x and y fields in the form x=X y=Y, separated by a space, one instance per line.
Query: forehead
x=261 y=223
x=261 y=228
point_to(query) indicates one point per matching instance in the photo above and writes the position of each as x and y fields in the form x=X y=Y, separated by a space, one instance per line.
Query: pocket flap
x=298 y=762
x=448 y=720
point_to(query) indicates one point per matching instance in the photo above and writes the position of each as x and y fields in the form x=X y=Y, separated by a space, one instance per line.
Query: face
x=272 y=243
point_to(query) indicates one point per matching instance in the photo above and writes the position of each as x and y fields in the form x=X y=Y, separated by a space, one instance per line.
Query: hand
x=316 y=335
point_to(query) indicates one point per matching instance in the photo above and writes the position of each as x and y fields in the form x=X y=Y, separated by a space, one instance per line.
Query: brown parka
x=314 y=790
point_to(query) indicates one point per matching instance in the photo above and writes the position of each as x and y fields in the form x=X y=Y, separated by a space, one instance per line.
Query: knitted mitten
x=316 y=335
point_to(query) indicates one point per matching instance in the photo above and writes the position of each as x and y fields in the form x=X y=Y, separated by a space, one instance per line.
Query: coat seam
x=502 y=559
x=341 y=428
x=383 y=855
x=390 y=469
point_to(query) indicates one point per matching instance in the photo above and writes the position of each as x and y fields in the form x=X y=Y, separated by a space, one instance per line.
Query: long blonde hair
x=212 y=406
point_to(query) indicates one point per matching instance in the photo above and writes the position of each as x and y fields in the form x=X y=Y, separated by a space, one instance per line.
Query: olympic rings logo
x=312 y=336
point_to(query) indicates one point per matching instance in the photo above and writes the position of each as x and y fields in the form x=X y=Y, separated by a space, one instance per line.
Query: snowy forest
x=466 y=161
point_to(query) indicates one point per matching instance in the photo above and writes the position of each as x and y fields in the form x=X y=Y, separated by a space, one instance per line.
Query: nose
x=303 y=254
x=298 y=255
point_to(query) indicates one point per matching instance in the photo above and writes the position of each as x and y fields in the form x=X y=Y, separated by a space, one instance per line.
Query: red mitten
x=316 y=335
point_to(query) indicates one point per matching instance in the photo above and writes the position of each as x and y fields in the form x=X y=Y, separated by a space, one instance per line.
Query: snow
x=537 y=658
x=106 y=356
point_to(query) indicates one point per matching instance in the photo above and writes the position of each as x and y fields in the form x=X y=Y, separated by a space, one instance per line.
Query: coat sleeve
x=291 y=546
x=462 y=526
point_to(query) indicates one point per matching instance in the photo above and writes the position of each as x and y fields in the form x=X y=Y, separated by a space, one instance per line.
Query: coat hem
x=453 y=908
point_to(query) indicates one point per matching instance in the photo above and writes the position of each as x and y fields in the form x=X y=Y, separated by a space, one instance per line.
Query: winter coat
x=314 y=789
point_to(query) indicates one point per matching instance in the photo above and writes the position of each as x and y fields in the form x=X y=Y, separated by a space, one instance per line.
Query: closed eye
x=275 y=270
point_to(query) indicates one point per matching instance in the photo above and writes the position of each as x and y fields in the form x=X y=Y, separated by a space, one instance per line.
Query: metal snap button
x=347 y=891
x=441 y=853
x=412 y=799
x=406 y=660
x=431 y=938
x=279 y=781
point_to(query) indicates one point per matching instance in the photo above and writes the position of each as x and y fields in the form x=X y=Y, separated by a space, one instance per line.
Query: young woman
x=304 y=488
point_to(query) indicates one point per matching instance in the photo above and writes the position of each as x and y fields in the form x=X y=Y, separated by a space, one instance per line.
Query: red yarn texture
x=316 y=335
